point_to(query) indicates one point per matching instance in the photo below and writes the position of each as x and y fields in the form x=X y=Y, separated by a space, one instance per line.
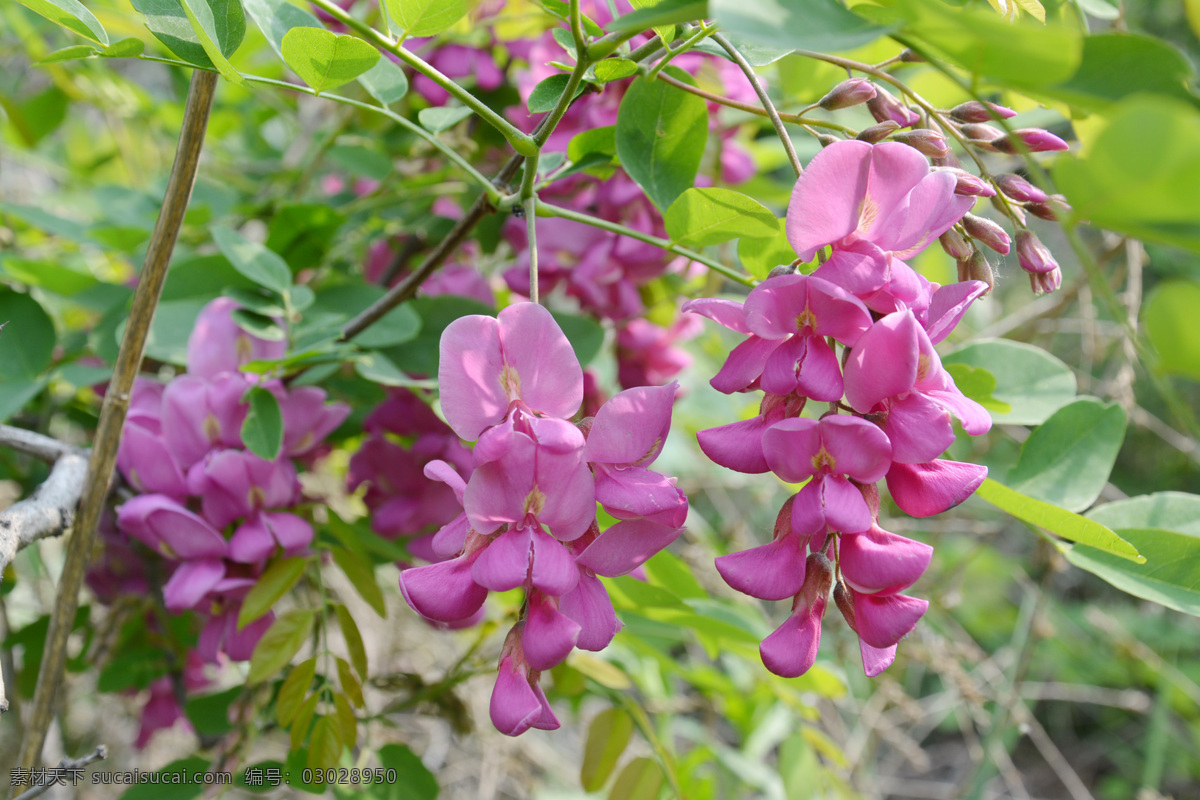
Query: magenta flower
x=218 y=345
x=235 y=483
x=518 y=702
x=738 y=445
x=199 y=415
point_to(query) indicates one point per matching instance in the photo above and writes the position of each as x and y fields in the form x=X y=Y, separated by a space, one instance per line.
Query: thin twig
x=38 y=445
x=67 y=764
x=116 y=405
x=768 y=106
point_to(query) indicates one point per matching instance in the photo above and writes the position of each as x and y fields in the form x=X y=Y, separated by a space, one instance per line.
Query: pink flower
x=518 y=702
x=218 y=345
x=792 y=649
x=646 y=353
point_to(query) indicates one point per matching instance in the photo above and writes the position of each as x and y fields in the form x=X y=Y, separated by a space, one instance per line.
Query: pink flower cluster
x=529 y=507
x=868 y=207
x=215 y=512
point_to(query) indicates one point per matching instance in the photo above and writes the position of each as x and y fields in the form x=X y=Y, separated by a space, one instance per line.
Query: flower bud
x=927 y=142
x=982 y=135
x=969 y=185
x=1035 y=140
x=1052 y=209
x=975 y=111
x=877 y=133
x=845 y=604
x=955 y=245
x=1032 y=255
x=782 y=269
x=909 y=56
x=884 y=106
x=848 y=93
x=818 y=572
x=987 y=232
x=826 y=139
x=1045 y=282
x=976 y=268
x=1020 y=189
x=1009 y=210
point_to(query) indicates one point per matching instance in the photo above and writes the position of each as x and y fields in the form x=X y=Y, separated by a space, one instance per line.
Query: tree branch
x=38 y=445
x=116 y=404
x=99 y=754
x=47 y=512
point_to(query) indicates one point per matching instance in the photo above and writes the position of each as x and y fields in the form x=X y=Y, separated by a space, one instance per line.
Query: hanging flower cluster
x=872 y=206
x=512 y=384
x=214 y=511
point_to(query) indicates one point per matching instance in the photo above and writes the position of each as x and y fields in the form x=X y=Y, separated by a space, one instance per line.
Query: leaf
x=436 y=120
x=27 y=339
x=72 y=15
x=361 y=577
x=420 y=355
x=354 y=641
x=669 y=571
x=350 y=684
x=276 y=581
x=293 y=691
x=978 y=384
x=702 y=217
x=125 y=48
x=262 y=430
x=258 y=325
x=668 y=12
x=178 y=780
x=276 y=17
x=303 y=721
x=661 y=133
x=385 y=82
x=608 y=735
x=209 y=713
x=641 y=779
x=418 y=782
x=69 y=54
x=1057 y=520
x=614 y=69
x=562 y=10
x=585 y=334
x=326 y=60
x=1032 y=382
x=378 y=368
x=1115 y=65
x=796 y=24
x=347 y=722
x=599 y=670
x=761 y=255
x=325 y=744
x=593 y=140
x=1067 y=460
x=169 y=331
x=253 y=260
x=426 y=17
x=1170 y=320
x=544 y=96
x=281 y=641
x=665 y=32
x=219 y=26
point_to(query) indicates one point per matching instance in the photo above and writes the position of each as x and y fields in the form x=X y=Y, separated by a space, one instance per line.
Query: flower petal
x=772 y=571
x=828 y=197
x=626 y=546
x=884 y=362
x=632 y=426
x=554 y=571
x=549 y=635
x=876 y=660
x=589 y=605
x=725 y=312
x=880 y=561
x=790 y=447
x=792 y=649
x=744 y=365
x=634 y=492
x=191 y=581
x=737 y=446
x=469 y=370
x=948 y=305
x=922 y=490
x=550 y=379
x=514 y=706
x=919 y=429
x=883 y=620
x=504 y=563
x=445 y=592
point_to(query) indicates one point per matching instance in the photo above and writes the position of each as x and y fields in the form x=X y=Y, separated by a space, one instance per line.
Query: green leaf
x=442 y=118
x=666 y=32
x=584 y=333
x=667 y=570
x=426 y=17
x=281 y=641
x=172 y=325
x=303 y=721
x=350 y=684
x=347 y=722
x=593 y=140
x=276 y=581
x=125 y=48
x=72 y=15
x=702 y=217
x=641 y=779
x=179 y=780
x=366 y=162
x=420 y=355
x=258 y=325
x=378 y=368
x=219 y=26
x=1170 y=319
x=614 y=69
x=668 y=12
x=362 y=577
x=326 y=60
x=760 y=256
x=262 y=430
x=1139 y=174
x=1115 y=65
x=1165 y=527
x=544 y=96
x=791 y=24
x=978 y=384
x=1032 y=382
x=599 y=670
x=293 y=690
x=560 y=9
x=418 y=782
x=27 y=339
x=209 y=713
x=1023 y=54
x=661 y=134
x=325 y=745
x=276 y=17
x=607 y=738
x=253 y=260
x=1057 y=520
x=354 y=642
x=302 y=234
x=69 y=54
x=1067 y=460
x=385 y=82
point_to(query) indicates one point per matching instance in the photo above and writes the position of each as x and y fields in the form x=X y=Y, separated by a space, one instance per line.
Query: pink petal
x=633 y=492
x=496 y=493
x=880 y=561
x=252 y=542
x=546 y=720
x=744 y=365
x=883 y=620
x=737 y=446
x=147 y=464
x=884 y=362
x=169 y=528
x=781 y=372
x=771 y=572
x=949 y=304
x=514 y=706
x=504 y=564
x=549 y=635
x=790 y=447
x=725 y=312
x=589 y=605
x=469 y=375
x=859 y=449
x=844 y=508
x=876 y=660
x=535 y=349
x=859 y=267
x=896 y=169
x=975 y=418
x=554 y=571
x=570 y=495
x=445 y=592
x=293 y=533
x=441 y=471
x=626 y=546
x=919 y=429
x=826 y=202
x=928 y=211
x=451 y=538
x=191 y=581
x=922 y=490
x=792 y=649
x=632 y=426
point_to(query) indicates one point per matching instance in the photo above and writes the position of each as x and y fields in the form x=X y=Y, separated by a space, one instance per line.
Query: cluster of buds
x=512 y=384
x=891 y=402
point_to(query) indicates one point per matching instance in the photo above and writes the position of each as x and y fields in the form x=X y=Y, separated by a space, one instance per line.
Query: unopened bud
x=982 y=135
x=848 y=93
x=818 y=578
x=987 y=232
x=1052 y=209
x=845 y=604
x=782 y=269
x=585 y=426
x=1045 y=282
x=870 y=493
x=783 y=522
x=1032 y=255
x=1020 y=189
x=927 y=142
x=955 y=245
x=975 y=111
x=1007 y=209
x=910 y=56
x=969 y=185
x=877 y=133
x=884 y=106
x=976 y=268
x=1035 y=140
x=827 y=139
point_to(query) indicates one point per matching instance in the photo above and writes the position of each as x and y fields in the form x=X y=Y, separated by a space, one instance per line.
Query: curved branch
x=31 y=443
x=47 y=512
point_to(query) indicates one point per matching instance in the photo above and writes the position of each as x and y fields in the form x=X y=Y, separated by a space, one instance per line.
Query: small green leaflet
x=426 y=17
x=385 y=82
x=326 y=60
x=608 y=735
x=614 y=69
x=72 y=15
x=701 y=217
x=262 y=431
x=274 y=583
x=661 y=134
x=254 y=260
x=281 y=641
x=545 y=95
x=442 y=118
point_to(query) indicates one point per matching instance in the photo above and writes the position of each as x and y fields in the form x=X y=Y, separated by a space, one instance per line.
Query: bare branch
x=34 y=444
x=99 y=754
x=47 y=512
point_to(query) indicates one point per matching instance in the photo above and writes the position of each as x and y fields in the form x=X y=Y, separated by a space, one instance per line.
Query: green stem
x=530 y=205
x=796 y=119
x=548 y=210
x=768 y=106
x=702 y=33
x=642 y=722
x=521 y=142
